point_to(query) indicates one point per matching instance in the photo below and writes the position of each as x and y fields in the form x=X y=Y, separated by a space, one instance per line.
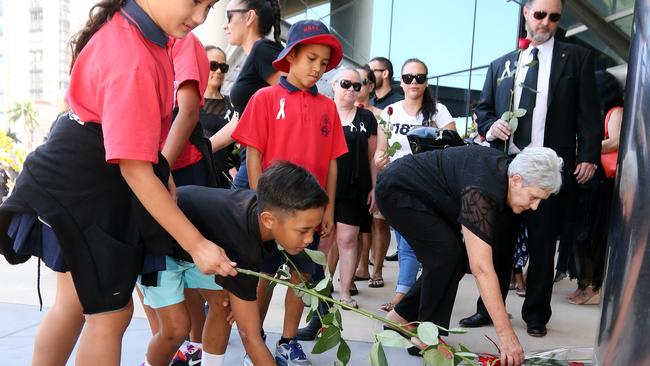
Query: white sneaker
x=291 y=354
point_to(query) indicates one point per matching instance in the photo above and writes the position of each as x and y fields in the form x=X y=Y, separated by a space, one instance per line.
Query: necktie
x=527 y=102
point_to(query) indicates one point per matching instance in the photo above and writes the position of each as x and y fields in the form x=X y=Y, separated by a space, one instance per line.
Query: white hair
x=539 y=167
x=343 y=69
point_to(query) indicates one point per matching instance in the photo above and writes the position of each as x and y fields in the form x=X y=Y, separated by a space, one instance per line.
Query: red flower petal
x=523 y=43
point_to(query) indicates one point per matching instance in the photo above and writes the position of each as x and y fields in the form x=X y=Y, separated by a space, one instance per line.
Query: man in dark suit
x=562 y=114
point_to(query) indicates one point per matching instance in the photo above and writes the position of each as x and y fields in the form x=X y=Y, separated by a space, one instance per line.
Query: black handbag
x=424 y=138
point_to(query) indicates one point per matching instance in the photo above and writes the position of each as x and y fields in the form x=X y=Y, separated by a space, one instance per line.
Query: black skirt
x=101 y=229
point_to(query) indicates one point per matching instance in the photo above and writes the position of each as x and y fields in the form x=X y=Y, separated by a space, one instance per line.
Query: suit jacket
x=573 y=115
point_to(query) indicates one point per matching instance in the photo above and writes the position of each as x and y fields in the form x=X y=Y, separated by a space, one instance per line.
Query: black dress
x=216 y=113
x=427 y=197
x=353 y=180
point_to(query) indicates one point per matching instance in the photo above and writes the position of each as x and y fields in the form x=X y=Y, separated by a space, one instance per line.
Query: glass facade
x=456 y=39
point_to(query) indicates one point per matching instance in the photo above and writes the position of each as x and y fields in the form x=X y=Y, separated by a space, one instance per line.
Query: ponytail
x=428 y=108
x=268 y=15
x=99 y=14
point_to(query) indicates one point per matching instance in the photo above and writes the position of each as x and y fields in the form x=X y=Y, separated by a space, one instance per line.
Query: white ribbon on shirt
x=227 y=116
x=362 y=127
x=281 y=112
x=352 y=127
x=506 y=73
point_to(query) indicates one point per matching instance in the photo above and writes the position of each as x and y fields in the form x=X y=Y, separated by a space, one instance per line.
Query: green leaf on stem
x=531 y=64
x=466 y=354
x=317 y=256
x=428 y=333
x=313 y=302
x=322 y=285
x=328 y=319
x=377 y=355
x=434 y=357
x=520 y=112
x=513 y=124
x=343 y=353
x=328 y=340
x=338 y=321
x=309 y=315
x=391 y=338
x=507 y=115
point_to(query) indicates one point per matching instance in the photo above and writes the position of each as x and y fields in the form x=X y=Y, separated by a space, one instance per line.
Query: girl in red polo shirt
x=96 y=192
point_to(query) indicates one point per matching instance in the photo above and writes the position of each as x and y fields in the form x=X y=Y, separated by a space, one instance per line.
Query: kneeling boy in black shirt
x=287 y=209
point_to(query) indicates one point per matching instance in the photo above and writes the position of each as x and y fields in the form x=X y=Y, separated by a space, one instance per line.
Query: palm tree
x=27 y=112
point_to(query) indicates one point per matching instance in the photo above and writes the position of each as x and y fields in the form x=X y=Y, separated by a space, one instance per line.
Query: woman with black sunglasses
x=418 y=108
x=247 y=24
x=355 y=178
x=218 y=114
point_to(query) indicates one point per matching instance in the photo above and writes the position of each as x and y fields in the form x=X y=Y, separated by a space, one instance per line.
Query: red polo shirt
x=190 y=64
x=123 y=79
x=286 y=123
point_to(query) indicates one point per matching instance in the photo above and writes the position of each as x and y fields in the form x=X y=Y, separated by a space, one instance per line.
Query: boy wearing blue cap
x=291 y=121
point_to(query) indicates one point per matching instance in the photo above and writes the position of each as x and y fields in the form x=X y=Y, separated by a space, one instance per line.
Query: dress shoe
x=475 y=321
x=392 y=257
x=536 y=330
x=310 y=331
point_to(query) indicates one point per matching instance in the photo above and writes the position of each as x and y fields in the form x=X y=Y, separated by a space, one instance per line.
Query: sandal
x=387 y=307
x=351 y=303
x=359 y=278
x=354 y=290
x=376 y=282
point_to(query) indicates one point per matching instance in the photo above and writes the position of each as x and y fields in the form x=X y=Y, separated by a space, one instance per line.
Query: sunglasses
x=419 y=78
x=214 y=66
x=346 y=84
x=229 y=13
x=540 y=15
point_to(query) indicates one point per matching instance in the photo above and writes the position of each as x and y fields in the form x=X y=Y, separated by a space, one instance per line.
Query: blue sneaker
x=291 y=354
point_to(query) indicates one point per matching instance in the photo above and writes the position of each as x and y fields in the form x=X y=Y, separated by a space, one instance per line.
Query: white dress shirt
x=545 y=57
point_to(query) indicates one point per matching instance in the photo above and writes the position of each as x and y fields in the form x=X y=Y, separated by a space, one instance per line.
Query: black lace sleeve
x=478 y=213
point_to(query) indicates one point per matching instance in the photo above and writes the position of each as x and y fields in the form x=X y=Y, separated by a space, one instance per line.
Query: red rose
x=523 y=43
x=361 y=106
x=390 y=111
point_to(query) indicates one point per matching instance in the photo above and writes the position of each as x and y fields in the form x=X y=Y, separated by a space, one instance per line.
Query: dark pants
x=438 y=246
x=544 y=225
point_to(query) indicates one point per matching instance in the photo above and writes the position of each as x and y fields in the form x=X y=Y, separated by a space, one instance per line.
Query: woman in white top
x=418 y=108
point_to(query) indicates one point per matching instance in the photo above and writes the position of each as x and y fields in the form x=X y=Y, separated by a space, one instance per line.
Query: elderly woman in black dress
x=433 y=197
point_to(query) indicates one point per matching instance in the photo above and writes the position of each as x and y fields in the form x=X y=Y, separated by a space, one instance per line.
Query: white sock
x=208 y=359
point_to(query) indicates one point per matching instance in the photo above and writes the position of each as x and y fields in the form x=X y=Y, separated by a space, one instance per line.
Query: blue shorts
x=301 y=260
x=178 y=276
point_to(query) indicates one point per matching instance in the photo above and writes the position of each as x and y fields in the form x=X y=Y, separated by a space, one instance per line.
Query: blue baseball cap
x=310 y=32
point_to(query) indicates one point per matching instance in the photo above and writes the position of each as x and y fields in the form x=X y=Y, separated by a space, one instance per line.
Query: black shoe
x=391 y=258
x=475 y=321
x=536 y=330
x=310 y=331
x=414 y=351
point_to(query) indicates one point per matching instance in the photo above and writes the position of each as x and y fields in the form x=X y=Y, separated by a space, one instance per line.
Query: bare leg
x=61 y=326
x=174 y=322
x=264 y=295
x=363 y=251
x=196 y=307
x=101 y=339
x=380 y=241
x=346 y=240
x=217 y=330
x=333 y=259
x=293 y=307
x=149 y=312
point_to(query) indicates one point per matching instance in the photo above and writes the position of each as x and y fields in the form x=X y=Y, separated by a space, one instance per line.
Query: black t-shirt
x=353 y=169
x=229 y=218
x=252 y=77
x=467 y=185
x=387 y=99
